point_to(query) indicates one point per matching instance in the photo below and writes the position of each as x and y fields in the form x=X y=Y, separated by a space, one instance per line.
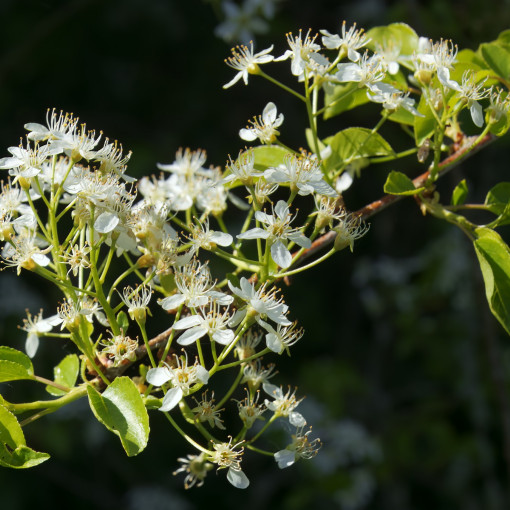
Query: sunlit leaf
x=120 y=409
x=398 y=183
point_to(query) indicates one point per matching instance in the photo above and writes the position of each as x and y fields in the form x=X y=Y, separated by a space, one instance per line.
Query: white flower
x=58 y=127
x=300 y=447
x=284 y=404
x=120 y=349
x=203 y=237
x=277 y=230
x=196 y=468
x=250 y=410
x=205 y=410
x=137 y=301
x=181 y=377
x=255 y=374
x=349 y=42
x=193 y=281
x=471 y=92
x=36 y=326
x=25 y=253
x=300 y=52
x=28 y=161
x=211 y=322
x=226 y=456
x=246 y=62
x=368 y=71
x=350 y=228
x=392 y=98
x=242 y=168
x=263 y=303
x=282 y=337
x=440 y=57
x=187 y=164
x=304 y=175
x=264 y=127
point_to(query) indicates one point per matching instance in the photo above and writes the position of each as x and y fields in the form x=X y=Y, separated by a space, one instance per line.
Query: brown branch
x=465 y=150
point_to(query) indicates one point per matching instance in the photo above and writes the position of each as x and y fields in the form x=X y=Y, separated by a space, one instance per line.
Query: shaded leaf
x=460 y=193
x=120 y=409
x=354 y=143
x=494 y=258
x=497 y=57
x=343 y=98
x=65 y=374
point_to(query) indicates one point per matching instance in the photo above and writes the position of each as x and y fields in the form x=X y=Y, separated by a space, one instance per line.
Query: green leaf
x=267 y=156
x=396 y=35
x=354 y=143
x=12 y=371
x=10 y=354
x=21 y=458
x=497 y=57
x=498 y=197
x=494 y=258
x=65 y=374
x=402 y=116
x=460 y=193
x=168 y=282
x=343 y=98
x=398 y=183
x=423 y=126
x=11 y=432
x=310 y=141
x=120 y=408
x=122 y=320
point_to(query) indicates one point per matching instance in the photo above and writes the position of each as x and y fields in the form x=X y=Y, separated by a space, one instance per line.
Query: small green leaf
x=65 y=374
x=267 y=156
x=21 y=458
x=460 y=193
x=168 y=282
x=498 y=197
x=122 y=320
x=11 y=432
x=120 y=409
x=494 y=258
x=497 y=57
x=354 y=143
x=398 y=183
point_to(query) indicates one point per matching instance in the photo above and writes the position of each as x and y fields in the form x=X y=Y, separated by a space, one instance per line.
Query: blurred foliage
x=398 y=359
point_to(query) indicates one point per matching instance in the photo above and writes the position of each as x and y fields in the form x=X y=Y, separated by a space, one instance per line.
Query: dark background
x=405 y=371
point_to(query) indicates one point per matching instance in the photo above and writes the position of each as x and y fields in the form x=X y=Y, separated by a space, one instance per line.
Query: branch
x=468 y=147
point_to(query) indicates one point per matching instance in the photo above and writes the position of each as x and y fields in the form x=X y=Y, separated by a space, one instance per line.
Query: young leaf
x=120 y=408
x=14 y=365
x=460 y=193
x=398 y=183
x=494 y=258
x=22 y=457
x=65 y=374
